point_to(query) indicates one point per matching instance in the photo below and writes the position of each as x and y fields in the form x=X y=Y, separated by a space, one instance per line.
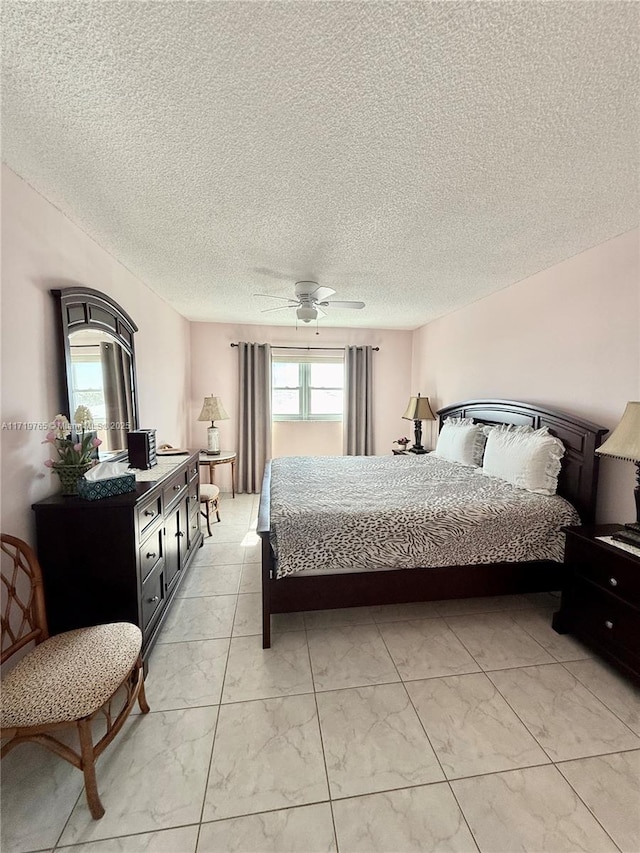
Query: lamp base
x=213 y=441
x=417 y=450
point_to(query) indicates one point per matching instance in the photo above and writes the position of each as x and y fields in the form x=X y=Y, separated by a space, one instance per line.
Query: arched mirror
x=98 y=375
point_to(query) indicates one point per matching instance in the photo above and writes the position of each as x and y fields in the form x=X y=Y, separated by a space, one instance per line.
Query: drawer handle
x=155 y=598
x=608 y=624
x=613 y=582
x=149 y=512
x=151 y=555
x=177 y=488
x=180 y=533
x=194 y=470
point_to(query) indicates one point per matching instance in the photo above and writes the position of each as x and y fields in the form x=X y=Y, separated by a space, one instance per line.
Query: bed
x=300 y=573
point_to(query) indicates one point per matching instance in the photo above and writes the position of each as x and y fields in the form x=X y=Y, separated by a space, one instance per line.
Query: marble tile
x=252 y=550
x=154 y=779
x=482 y=604
x=496 y=641
x=248 y=618
x=286 y=622
x=210 y=580
x=530 y=810
x=547 y=601
x=424 y=819
x=404 y=612
x=186 y=675
x=349 y=656
x=251 y=580
x=257 y=673
x=304 y=828
x=219 y=554
x=564 y=717
x=340 y=616
x=224 y=532
x=180 y=840
x=471 y=727
x=610 y=786
x=613 y=689
x=206 y=618
x=267 y=755
x=39 y=791
x=560 y=646
x=373 y=741
x=426 y=649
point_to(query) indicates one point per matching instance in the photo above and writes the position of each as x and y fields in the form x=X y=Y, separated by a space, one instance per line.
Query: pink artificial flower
x=77 y=446
x=96 y=442
x=48 y=462
x=50 y=439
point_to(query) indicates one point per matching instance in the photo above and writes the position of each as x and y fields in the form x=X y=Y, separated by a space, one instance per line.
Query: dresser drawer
x=151 y=552
x=616 y=573
x=152 y=594
x=149 y=511
x=193 y=471
x=176 y=487
x=604 y=618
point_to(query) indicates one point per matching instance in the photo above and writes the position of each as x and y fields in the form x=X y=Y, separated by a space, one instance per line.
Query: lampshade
x=213 y=410
x=624 y=441
x=419 y=410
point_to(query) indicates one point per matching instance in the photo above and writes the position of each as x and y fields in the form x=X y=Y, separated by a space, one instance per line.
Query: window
x=309 y=389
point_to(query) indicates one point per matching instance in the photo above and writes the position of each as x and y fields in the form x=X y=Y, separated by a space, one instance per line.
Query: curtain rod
x=375 y=349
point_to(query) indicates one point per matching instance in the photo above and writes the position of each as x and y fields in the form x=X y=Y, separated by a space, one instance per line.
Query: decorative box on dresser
x=601 y=601
x=121 y=558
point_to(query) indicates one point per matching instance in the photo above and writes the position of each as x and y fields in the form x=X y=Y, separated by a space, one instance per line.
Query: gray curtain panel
x=358 y=417
x=254 y=414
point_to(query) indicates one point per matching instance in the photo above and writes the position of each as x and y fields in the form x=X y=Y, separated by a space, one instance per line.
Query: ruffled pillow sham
x=528 y=459
x=462 y=441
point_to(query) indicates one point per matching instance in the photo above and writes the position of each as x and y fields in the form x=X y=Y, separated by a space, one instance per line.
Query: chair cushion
x=70 y=675
x=208 y=492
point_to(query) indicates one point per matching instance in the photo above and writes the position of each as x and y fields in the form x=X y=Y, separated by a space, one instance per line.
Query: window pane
x=285 y=402
x=87 y=374
x=327 y=375
x=326 y=402
x=285 y=375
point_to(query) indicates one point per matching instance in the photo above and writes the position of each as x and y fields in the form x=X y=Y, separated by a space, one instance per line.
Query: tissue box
x=109 y=487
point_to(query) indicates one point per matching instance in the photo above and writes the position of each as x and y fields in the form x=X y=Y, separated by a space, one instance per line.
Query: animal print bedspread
x=360 y=513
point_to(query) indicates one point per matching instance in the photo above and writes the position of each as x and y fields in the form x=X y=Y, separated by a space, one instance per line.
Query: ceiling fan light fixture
x=306 y=313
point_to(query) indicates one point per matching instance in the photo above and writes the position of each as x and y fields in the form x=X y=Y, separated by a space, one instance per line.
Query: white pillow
x=461 y=441
x=528 y=460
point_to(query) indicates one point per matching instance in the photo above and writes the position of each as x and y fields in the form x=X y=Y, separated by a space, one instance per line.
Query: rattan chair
x=67 y=680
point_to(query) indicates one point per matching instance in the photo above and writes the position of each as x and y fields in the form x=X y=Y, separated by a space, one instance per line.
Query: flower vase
x=69 y=476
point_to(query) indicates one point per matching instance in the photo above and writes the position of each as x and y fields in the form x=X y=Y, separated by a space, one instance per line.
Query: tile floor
x=445 y=726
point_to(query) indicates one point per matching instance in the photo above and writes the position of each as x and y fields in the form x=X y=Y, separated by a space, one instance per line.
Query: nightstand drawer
x=605 y=619
x=609 y=568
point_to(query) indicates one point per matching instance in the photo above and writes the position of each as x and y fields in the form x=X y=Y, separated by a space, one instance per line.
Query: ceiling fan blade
x=278 y=308
x=321 y=293
x=321 y=313
x=338 y=303
x=269 y=296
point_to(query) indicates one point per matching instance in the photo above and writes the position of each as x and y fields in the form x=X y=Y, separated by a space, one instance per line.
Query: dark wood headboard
x=578 y=480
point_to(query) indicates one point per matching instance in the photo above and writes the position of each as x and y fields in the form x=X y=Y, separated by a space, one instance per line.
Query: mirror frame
x=82 y=308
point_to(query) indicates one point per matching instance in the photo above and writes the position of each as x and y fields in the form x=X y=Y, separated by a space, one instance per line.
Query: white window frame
x=304 y=386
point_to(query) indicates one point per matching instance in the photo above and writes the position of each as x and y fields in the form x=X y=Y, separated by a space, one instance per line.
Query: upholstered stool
x=209 y=496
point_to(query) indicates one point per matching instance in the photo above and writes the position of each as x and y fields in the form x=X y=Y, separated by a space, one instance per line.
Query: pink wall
x=43 y=249
x=567 y=337
x=214 y=369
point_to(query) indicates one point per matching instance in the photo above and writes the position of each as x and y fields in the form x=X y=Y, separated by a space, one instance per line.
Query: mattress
x=372 y=513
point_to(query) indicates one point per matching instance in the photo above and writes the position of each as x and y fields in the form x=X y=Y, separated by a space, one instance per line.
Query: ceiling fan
x=309 y=301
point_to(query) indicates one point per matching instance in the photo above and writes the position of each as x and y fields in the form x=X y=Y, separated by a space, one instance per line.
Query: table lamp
x=418 y=410
x=213 y=410
x=624 y=443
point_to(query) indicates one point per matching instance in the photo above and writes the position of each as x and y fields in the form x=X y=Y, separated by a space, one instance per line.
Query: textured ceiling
x=413 y=155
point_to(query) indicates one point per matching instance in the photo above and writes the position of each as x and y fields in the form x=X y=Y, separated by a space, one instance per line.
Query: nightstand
x=601 y=600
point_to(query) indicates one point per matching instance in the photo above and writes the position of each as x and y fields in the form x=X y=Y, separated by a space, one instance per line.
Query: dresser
x=121 y=558
x=601 y=600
